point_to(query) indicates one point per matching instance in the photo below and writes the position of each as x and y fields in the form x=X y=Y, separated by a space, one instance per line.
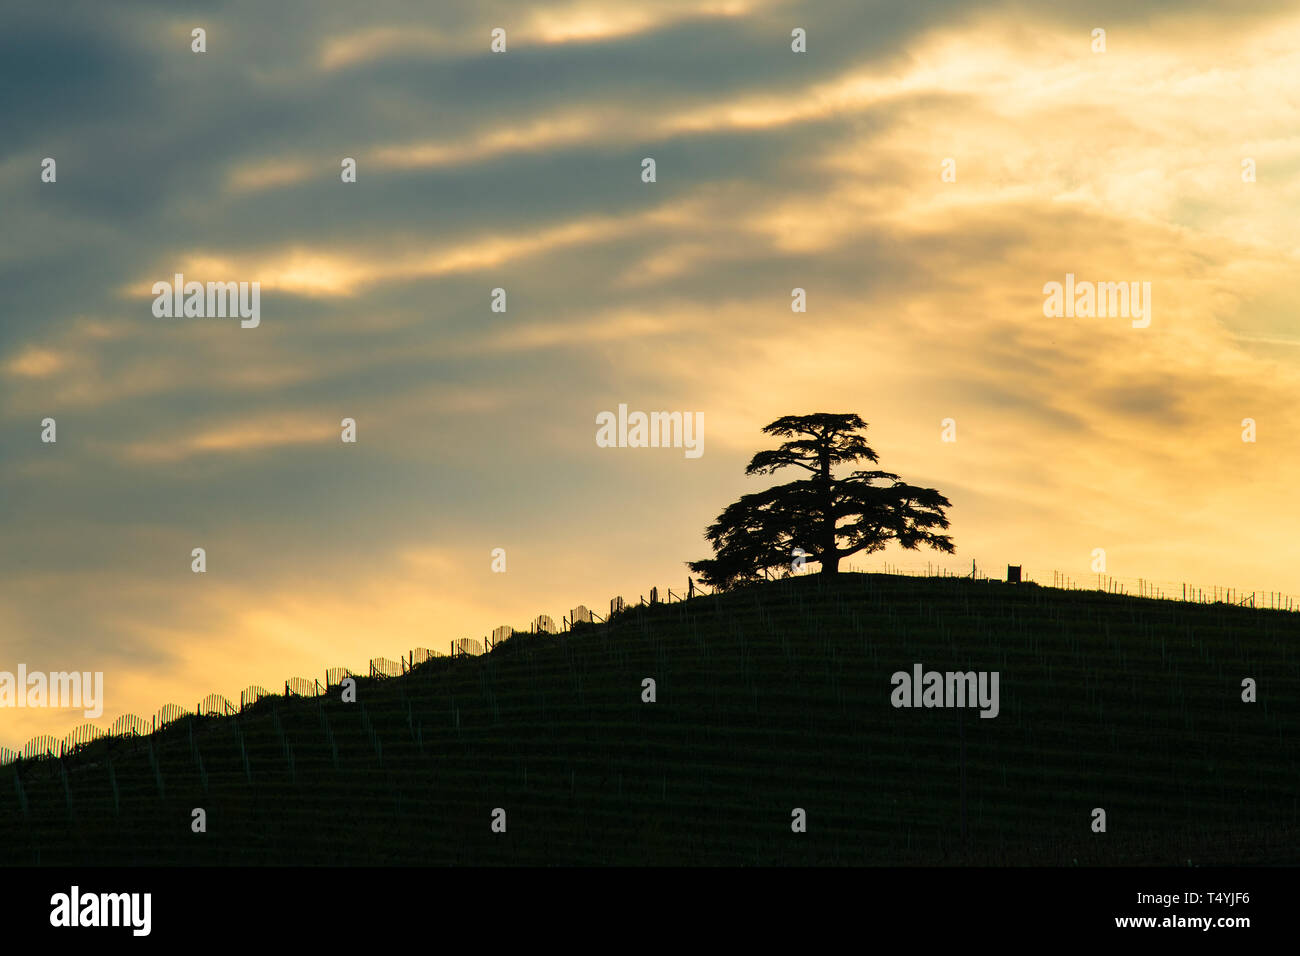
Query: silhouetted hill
x=769 y=699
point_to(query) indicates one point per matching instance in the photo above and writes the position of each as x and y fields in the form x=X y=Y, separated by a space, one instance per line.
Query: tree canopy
x=829 y=518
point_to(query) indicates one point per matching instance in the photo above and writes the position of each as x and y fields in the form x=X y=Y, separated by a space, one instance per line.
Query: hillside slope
x=769 y=699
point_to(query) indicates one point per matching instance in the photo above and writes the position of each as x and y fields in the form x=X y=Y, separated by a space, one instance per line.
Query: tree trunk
x=830 y=556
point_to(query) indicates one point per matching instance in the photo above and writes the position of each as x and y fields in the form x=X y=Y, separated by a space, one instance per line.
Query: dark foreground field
x=769 y=699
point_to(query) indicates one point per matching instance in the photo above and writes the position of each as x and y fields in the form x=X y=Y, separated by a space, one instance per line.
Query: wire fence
x=381 y=668
x=1194 y=592
x=129 y=725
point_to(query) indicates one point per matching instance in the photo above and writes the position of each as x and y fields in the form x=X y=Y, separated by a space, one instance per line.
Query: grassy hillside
x=768 y=699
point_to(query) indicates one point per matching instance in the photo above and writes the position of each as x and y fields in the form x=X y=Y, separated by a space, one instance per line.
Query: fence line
x=251 y=694
x=1112 y=584
x=129 y=725
x=383 y=667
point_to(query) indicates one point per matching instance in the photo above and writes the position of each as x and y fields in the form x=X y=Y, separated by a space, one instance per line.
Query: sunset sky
x=522 y=170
